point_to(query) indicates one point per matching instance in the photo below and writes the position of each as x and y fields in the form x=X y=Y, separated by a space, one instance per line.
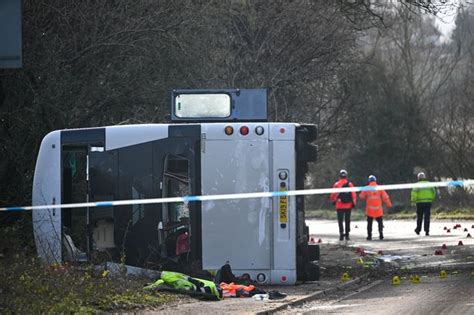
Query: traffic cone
x=468 y=235
x=438 y=252
x=415 y=279
x=320 y=240
x=345 y=277
x=445 y=228
x=448 y=231
x=443 y=274
x=444 y=246
x=465 y=229
x=311 y=240
x=460 y=243
x=396 y=280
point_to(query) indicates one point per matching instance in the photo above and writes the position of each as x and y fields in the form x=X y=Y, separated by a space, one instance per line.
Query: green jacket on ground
x=427 y=194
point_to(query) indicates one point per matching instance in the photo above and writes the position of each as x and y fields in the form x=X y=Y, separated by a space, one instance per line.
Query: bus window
x=202 y=105
x=176 y=218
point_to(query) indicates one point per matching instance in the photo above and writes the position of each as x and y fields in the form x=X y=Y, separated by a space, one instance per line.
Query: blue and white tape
x=270 y=194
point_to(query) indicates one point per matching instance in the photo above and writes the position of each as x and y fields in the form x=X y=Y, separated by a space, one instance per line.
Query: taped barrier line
x=186 y=199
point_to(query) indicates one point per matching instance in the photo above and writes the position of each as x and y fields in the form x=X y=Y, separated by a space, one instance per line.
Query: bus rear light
x=282 y=130
x=229 y=130
x=244 y=130
x=259 y=130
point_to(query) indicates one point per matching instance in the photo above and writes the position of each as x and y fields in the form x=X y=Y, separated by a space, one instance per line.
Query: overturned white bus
x=218 y=142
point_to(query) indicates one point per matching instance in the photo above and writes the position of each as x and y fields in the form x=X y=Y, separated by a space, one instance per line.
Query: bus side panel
x=47 y=190
x=236 y=230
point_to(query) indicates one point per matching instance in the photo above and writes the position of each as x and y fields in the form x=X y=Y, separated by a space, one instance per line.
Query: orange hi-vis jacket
x=334 y=197
x=374 y=199
x=235 y=290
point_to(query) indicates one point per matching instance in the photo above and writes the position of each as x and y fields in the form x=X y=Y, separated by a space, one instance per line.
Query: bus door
x=180 y=224
x=75 y=189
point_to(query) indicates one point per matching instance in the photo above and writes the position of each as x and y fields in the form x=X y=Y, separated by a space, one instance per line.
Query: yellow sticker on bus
x=283 y=205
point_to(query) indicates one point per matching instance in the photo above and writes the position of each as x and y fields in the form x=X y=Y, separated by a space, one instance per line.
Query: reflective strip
x=186 y=199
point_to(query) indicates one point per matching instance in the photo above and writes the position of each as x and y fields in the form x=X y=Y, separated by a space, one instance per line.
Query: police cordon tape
x=270 y=194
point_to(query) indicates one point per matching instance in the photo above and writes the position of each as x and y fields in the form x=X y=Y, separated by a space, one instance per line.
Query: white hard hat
x=421 y=175
x=343 y=173
x=372 y=178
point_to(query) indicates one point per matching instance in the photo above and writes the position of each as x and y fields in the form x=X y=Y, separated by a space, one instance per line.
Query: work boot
x=341 y=237
x=427 y=233
x=369 y=238
x=417 y=232
x=381 y=236
x=347 y=237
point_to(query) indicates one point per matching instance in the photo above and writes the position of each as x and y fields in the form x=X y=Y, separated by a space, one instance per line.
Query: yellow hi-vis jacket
x=427 y=194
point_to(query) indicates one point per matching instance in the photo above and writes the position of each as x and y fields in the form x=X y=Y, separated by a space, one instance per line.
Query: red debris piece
x=468 y=235
x=444 y=246
x=455 y=227
x=319 y=240
x=380 y=253
x=363 y=253
x=448 y=231
x=445 y=228
x=359 y=250
x=438 y=252
x=465 y=229
x=460 y=243
x=311 y=240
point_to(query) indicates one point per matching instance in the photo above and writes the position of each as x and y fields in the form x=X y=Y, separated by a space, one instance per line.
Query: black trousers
x=369 y=225
x=423 y=209
x=344 y=216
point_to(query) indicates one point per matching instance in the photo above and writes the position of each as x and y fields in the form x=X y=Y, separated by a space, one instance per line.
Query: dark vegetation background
x=390 y=96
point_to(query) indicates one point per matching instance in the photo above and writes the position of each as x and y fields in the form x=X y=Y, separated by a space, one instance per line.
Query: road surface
x=401 y=240
x=453 y=295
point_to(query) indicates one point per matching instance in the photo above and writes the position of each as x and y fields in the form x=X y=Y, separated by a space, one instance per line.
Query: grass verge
x=29 y=287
